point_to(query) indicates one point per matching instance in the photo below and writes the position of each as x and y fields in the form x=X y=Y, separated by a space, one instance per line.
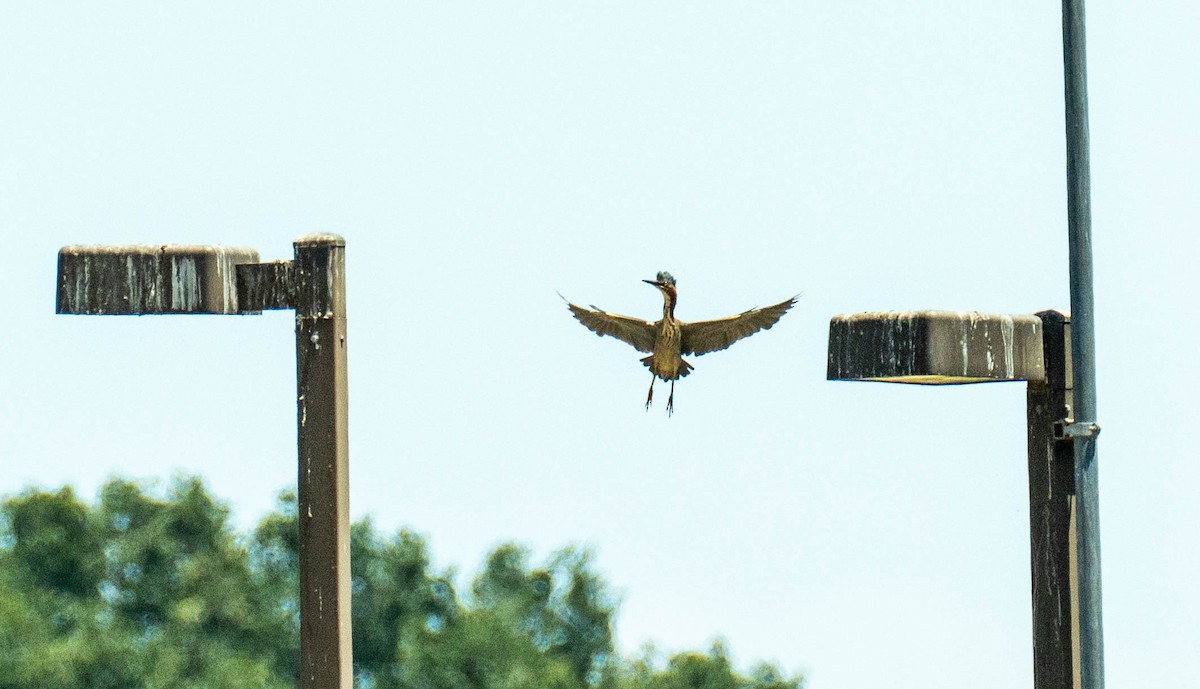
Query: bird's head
x=665 y=283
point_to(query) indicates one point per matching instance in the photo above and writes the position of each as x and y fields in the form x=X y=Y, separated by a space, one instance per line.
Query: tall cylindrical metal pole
x=324 y=486
x=1083 y=350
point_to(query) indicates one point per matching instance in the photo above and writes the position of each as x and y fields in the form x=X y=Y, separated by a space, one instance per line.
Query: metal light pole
x=319 y=278
x=162 y=279
x=1053 y=521
x=1083 y=349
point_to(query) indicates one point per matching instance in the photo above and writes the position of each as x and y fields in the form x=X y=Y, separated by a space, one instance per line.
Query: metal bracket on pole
x=263 y=286
x=1074 y=430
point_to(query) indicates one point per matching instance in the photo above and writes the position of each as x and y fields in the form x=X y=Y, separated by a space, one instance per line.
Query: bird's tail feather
x=684 y=367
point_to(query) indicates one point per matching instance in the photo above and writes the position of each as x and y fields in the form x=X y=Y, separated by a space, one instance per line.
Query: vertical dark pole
x=320 y=300
x=1051 y=500
x=1079 y=223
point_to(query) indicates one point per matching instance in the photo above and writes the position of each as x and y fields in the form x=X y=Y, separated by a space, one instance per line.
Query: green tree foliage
x=700 y=671
x=143 y=591
x=55 y=545
x=134 y=592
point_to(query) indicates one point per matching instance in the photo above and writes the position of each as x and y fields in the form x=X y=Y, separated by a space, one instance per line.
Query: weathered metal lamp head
x=150 y=279
x=935 y=347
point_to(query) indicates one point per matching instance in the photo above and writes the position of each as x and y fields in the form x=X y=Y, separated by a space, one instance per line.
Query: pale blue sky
x=478 y=157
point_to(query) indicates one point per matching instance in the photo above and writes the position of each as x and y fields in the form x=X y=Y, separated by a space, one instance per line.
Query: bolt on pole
x=1083 y=350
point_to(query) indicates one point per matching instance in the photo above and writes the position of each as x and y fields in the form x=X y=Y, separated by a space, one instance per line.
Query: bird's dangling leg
x=671 y=400
x=650 y=396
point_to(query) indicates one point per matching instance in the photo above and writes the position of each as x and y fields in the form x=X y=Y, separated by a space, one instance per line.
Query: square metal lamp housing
x=150 y=279
x=935 y=347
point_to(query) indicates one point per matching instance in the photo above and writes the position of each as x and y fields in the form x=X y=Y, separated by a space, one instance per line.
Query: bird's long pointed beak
x=656 y=283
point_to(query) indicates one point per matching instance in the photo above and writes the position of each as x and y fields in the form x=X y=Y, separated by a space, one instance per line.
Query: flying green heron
x=670 y=338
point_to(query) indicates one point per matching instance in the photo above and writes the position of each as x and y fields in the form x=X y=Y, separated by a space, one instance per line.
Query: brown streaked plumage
x=668 y=339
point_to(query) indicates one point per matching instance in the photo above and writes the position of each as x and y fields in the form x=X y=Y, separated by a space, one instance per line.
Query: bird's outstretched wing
x=703 y=337
x=632 y=331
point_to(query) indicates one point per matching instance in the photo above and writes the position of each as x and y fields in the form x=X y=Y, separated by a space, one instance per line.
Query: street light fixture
x=170 y=279
x=935 y=347
x=952 y=348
